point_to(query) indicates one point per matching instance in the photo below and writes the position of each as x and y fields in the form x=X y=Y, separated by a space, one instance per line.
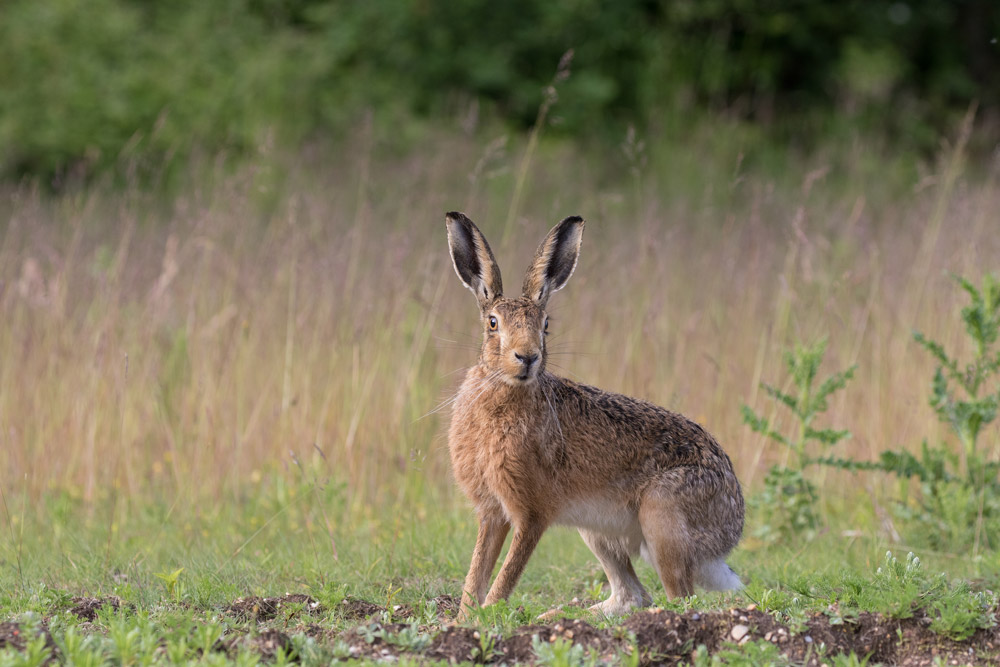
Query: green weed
x=749 y=654
x=172 y=583
x=561 y=652
x=959 y=492
x=786 y=505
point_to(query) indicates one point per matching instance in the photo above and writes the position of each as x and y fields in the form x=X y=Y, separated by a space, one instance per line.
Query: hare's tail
x=715 y=575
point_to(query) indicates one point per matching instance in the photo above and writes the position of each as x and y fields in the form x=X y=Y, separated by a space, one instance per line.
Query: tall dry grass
x=307 y=316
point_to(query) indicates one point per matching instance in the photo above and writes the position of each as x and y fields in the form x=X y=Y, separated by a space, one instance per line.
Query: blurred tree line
x=86 y=83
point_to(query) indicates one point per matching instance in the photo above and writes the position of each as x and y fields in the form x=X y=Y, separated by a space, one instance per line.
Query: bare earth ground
x=660 y=636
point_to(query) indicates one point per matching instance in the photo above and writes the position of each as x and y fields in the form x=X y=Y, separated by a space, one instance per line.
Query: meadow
x=238 y=391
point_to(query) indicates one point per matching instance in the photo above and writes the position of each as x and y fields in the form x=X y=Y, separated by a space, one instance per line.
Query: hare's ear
x=554 y=261
x=473 y=259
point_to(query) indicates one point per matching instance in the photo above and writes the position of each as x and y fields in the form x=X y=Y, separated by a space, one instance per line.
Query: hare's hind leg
x=627 y=591
x=667 y=541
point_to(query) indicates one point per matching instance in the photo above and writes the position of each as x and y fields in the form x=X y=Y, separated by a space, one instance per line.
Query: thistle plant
x=806 y=402
x=787 y=502
x=958 y=392
x=959 y=500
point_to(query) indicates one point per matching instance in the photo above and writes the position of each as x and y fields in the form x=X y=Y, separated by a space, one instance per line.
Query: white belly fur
x=601 y=516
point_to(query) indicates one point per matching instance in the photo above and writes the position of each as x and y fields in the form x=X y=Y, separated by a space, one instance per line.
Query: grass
x=241 y=383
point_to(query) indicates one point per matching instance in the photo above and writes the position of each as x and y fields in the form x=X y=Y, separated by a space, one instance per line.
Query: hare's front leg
x=493 y=529
x=522 y=545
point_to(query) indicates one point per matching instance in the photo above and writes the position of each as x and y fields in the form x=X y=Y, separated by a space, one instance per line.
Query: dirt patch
x=87 y=608
x=267 y=644
x=264 y=609
x=520 y=647
x=661 y=637
x=668 y=638
x=11 y=636
x=457 y=644
x=447 y=605
x=357 y=610
x=665 y=637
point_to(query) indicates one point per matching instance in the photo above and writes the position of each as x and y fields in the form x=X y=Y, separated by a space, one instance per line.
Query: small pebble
x=809 y=640
x=739 y=632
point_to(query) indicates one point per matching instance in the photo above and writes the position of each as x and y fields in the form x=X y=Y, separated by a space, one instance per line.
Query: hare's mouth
x=527 y=376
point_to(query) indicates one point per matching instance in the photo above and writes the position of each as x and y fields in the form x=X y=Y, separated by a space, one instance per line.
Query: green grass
x=233 y=392
x=399 y=564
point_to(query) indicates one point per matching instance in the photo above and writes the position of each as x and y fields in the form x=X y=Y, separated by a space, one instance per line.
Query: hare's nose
x=526 y=359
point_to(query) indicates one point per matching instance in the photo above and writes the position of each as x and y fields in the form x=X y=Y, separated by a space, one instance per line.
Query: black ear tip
x=455 y=216
x=573 y=220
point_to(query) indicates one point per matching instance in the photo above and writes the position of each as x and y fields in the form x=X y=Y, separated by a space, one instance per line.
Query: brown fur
x=531 y=449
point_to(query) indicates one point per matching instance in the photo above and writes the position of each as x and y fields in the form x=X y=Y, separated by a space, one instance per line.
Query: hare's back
x=634 y=428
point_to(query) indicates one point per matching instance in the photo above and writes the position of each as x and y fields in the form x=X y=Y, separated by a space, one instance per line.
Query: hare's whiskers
x=482 y=383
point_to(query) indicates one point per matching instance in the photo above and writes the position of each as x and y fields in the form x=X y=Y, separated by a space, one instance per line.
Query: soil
x=264 y=609
x=661 y=637
x=267 y=643
x=87 y=608
x=11 y=636
x=358 y=610
x=668 y=638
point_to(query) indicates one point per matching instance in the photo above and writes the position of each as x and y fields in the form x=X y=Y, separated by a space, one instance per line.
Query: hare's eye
x=545 y=327
x=493 y=323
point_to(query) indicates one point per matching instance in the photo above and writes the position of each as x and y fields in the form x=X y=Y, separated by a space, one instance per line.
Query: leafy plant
x=966 y=415
x=787 y=502
x=560 y=652
x=903 y=589
x=172 y=582
x=487 y=649
x=786 y=505
x=408 y=638
x=961 y=612
x=758 y=652
x=959 y=501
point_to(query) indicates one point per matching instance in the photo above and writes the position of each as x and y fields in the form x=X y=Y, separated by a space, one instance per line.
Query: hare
x=531 y=449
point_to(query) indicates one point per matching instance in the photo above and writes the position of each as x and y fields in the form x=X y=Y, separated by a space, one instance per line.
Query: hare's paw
x=619 y=605
x=551 y=614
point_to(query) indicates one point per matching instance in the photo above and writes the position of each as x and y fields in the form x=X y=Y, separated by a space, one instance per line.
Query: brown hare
x=531 y=449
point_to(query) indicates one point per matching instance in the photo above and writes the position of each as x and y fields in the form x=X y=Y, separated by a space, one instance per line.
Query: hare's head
x=514 y=330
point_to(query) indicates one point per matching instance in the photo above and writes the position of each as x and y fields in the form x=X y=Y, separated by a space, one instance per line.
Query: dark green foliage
x=89 y=84
x=141 y=83
x=787 y=505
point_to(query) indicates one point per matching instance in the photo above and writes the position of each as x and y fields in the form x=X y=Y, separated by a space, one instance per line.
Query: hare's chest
x=498 y=465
